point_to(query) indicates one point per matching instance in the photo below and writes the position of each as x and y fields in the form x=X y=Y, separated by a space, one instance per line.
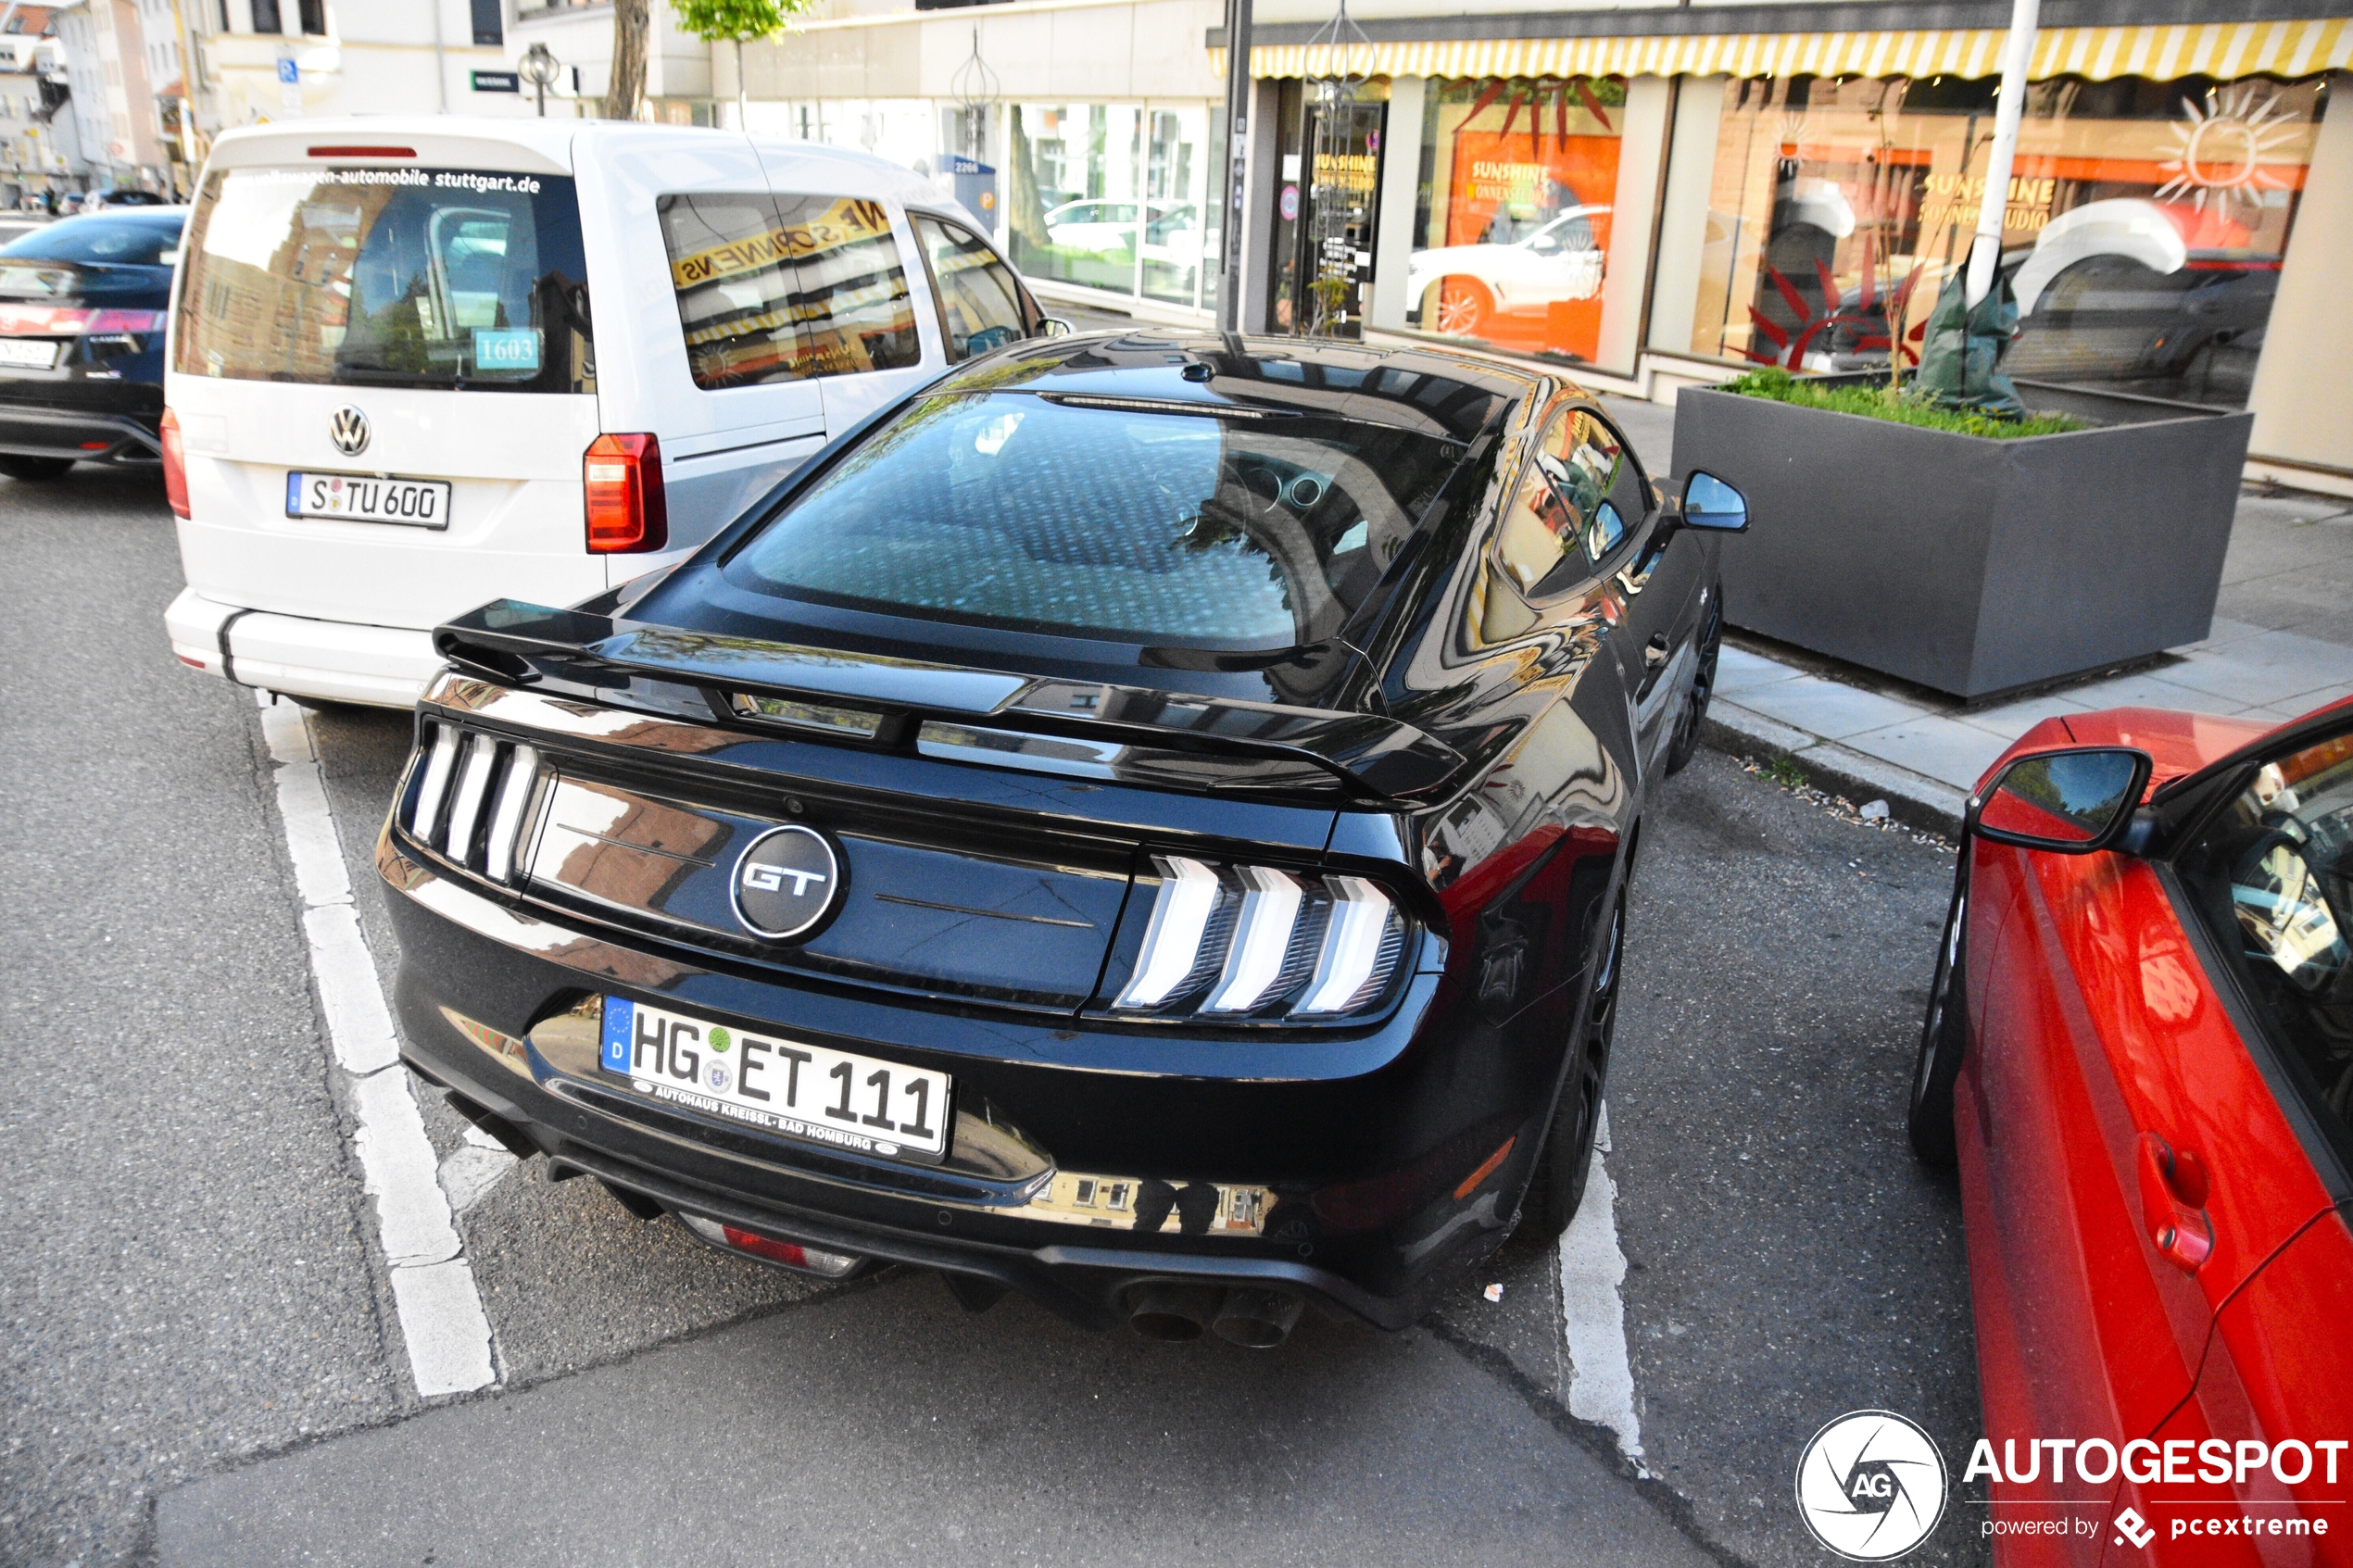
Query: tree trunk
x=625 y=87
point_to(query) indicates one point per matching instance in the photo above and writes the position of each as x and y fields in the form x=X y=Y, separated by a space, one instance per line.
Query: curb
x=1912 y=799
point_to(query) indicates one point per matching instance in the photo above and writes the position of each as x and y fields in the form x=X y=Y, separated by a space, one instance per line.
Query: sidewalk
x=2281 y=644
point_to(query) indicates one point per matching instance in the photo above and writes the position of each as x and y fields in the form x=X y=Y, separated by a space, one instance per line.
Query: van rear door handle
x=1655 y=651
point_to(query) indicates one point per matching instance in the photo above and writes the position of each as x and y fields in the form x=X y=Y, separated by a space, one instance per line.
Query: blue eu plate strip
x=294 y=493
x=621 y=1024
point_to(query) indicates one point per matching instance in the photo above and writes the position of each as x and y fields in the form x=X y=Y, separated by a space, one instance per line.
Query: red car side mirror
x=2066 y=802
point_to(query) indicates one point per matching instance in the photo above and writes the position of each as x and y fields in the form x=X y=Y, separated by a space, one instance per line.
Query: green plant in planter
x=1903 y=407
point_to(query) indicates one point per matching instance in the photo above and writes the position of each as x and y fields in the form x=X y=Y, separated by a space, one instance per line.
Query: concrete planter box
x=1967 y=565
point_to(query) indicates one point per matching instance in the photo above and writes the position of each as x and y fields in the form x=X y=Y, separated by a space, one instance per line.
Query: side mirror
x=1054 y=326
x=2067 y=802
x=1708 y=502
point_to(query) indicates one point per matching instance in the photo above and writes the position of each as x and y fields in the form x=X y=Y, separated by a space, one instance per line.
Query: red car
x=2139 y=1054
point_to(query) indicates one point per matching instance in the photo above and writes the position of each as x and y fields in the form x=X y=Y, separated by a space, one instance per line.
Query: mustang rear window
x=387 y=277
x=1141 y=523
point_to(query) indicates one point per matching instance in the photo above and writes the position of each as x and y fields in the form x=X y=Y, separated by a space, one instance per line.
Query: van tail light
x=626 y=514
x=175 y=465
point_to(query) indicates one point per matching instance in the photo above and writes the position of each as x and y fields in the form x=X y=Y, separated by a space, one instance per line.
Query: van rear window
x=387 y=277
x=782 y=288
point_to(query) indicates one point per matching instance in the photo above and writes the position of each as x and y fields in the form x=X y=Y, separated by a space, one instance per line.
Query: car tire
x=1943 y=1037
x=34 y=470
x=1556 y=1190
x=1463 y=307
x=1693 y=721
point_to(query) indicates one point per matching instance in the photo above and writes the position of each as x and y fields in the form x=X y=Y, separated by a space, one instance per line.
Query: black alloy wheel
x=1558 y=1189
x=33 y=469
x=1944 y=1037
x=1694 y=718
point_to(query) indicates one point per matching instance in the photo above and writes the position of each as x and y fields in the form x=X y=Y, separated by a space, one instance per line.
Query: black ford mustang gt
x=1144 y=821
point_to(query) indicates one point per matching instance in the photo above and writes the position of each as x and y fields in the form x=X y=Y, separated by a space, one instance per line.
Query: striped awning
x=2216 y=49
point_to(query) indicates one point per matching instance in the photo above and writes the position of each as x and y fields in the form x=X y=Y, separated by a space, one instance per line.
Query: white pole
x=1985 y=252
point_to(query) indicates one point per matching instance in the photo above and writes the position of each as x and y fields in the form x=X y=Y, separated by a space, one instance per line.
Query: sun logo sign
x=1870 y=1486
x=2219 y=150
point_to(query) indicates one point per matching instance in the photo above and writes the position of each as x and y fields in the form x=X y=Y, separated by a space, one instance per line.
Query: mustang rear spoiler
x=1366 y=754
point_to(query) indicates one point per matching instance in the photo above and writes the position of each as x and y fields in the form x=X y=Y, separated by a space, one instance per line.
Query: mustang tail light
x=1252 y=941
x=626 y=512
x=474 y=793
x=791 y=1254
x=175 y=465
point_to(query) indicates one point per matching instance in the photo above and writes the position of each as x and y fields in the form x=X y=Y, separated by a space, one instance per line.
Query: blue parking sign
x=289 y=72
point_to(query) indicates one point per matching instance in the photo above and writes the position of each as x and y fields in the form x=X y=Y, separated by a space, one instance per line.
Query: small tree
x=739 y=22
x=625 y=87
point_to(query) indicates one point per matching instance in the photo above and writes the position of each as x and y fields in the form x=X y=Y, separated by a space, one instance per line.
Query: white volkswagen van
x=415 y=364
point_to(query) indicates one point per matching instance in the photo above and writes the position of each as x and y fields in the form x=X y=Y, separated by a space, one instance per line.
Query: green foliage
x=1785 y=773
x=1879 y=402
x=738 y=21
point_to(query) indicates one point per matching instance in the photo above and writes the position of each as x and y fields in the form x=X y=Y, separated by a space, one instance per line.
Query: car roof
x=1432 y=392
x=553 y=146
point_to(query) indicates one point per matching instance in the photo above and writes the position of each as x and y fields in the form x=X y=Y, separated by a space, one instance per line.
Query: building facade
x=1659 y=196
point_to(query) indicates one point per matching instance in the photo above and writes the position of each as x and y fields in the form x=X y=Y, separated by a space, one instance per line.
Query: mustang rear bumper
x=1351 y=1192
x=89 y=436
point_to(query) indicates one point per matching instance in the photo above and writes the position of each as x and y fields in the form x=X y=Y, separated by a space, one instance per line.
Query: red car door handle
x=2173 y=1193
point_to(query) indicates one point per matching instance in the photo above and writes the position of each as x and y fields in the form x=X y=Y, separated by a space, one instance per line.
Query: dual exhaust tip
x=1257 y=1319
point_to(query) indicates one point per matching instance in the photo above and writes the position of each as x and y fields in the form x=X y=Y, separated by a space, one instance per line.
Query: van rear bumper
x=331 y=660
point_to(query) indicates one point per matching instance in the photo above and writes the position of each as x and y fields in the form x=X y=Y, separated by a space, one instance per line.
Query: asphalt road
x=200 y=1362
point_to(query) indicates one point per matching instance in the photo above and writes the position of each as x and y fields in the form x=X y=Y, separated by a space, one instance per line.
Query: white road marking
x=1601 y=1386
x=433 y=1287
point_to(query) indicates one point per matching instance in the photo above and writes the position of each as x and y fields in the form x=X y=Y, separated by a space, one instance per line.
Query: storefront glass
x=1075 y=209
x=1512 y=238
x=2143 y=230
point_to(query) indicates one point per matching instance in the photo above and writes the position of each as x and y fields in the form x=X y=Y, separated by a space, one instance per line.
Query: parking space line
x=1601 y=1387
x=434 y=1296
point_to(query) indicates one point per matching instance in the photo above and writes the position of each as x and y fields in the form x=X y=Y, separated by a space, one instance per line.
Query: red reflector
x=363 y=152
x=787 y=1252
x=621 y=477
x=175 y=467
x=1486 y=1169
x=191 y=663
x=95 y=445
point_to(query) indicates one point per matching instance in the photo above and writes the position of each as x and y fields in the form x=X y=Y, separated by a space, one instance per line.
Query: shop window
x=1077 y=212
x=2143 y=230
x=1513 y=236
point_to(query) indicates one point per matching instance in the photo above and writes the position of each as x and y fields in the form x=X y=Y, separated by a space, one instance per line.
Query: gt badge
x=784 y=883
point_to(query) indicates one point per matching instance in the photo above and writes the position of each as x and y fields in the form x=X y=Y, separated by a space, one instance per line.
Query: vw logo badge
x=348 y=427
x=1870 y=1486
x=785 y=882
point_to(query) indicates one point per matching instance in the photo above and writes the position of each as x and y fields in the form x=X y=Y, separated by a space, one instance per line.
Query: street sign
x=289 y=73
x=498 y=81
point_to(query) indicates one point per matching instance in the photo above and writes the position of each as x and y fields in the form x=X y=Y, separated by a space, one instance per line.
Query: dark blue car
x=82 y=306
